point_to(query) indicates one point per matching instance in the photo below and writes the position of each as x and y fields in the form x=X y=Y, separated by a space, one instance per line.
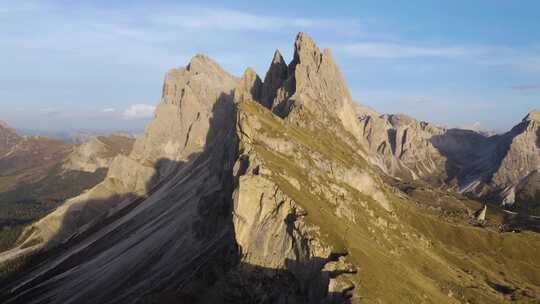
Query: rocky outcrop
x=273 y=90
x=493 y=167
x=527 y=193
x=230 y=198
x=462 y=160
x=310 y=90
x=520 y=152
x=97 y=153
x=402 y=147
x=193 y=98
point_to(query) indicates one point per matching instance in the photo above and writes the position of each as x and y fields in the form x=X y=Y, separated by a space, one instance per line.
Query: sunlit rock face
x=250 y=191
x=98 y=152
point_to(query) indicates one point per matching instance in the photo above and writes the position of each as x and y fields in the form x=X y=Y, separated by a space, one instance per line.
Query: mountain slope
x=38 y=174
x=231 y=198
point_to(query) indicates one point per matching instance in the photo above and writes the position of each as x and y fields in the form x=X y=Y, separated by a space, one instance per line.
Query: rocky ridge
x=98 y=152
x=462 y=160
x=244 y=191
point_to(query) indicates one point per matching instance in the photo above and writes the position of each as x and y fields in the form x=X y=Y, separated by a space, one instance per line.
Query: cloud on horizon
x=108 y=110
x=138 y=111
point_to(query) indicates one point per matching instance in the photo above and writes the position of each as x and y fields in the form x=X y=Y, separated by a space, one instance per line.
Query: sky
x=99 y=65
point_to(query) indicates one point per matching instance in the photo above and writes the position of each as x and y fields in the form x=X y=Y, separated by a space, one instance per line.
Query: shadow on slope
x=169 y=246
x=30 y=202
x=538 y=138
x=471 y=156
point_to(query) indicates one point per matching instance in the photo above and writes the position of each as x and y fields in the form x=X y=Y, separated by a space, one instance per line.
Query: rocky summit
x=283 y=190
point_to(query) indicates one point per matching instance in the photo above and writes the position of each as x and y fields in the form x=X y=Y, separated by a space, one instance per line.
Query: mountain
x=249 y=191
x=487 y=167
x=401 y=146
x=38 y=173
x=98 y=152
x=26 y=159
x=8 y=138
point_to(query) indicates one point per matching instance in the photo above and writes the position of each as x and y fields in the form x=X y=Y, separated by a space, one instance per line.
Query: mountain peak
x=303 y=40
x=203 y=63
x=534 y=115
x=275 y=76
x=249 y=86
x=278 y=58
x=306 y=50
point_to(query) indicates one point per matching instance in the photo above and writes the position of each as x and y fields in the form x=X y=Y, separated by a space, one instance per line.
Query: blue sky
x=99 y=65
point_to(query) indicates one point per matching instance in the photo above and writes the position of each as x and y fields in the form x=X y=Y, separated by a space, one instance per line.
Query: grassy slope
x=413 y=255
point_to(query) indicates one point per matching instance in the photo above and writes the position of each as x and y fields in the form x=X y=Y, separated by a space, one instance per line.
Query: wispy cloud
x=218 y=19
x=108 y=110
x=518 y=58
x=139 y=111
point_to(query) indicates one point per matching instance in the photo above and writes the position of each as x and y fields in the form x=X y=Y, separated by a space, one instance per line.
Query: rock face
x=462 y=160
x=192 y=100
x=250 y=191
x=97 y=153
x=493 y=167
x=519 y=150
x=402 y=147
x=481 y=214
x=310 y=90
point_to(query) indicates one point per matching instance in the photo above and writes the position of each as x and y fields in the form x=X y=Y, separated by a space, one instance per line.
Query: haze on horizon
x=99 y=65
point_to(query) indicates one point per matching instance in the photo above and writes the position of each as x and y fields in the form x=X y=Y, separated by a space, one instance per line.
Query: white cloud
x=139 y=111
x=108 y=110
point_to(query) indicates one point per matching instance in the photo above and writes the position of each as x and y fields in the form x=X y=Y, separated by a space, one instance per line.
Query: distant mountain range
x=38 y=173
x=496 y=168
x=77 y=136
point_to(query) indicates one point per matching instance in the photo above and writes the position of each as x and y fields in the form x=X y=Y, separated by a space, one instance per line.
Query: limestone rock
x=98 y=153
x=402 y=147
x=481 y=214
x=250 y=87
x=314 y=84
x=275 y=76
x=193 y=109
x=462 y=160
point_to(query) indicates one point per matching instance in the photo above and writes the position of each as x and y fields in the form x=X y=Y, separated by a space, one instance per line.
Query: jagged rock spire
x=315 y=84
x=276 y=75
x=305 y=50
x=249 y=87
